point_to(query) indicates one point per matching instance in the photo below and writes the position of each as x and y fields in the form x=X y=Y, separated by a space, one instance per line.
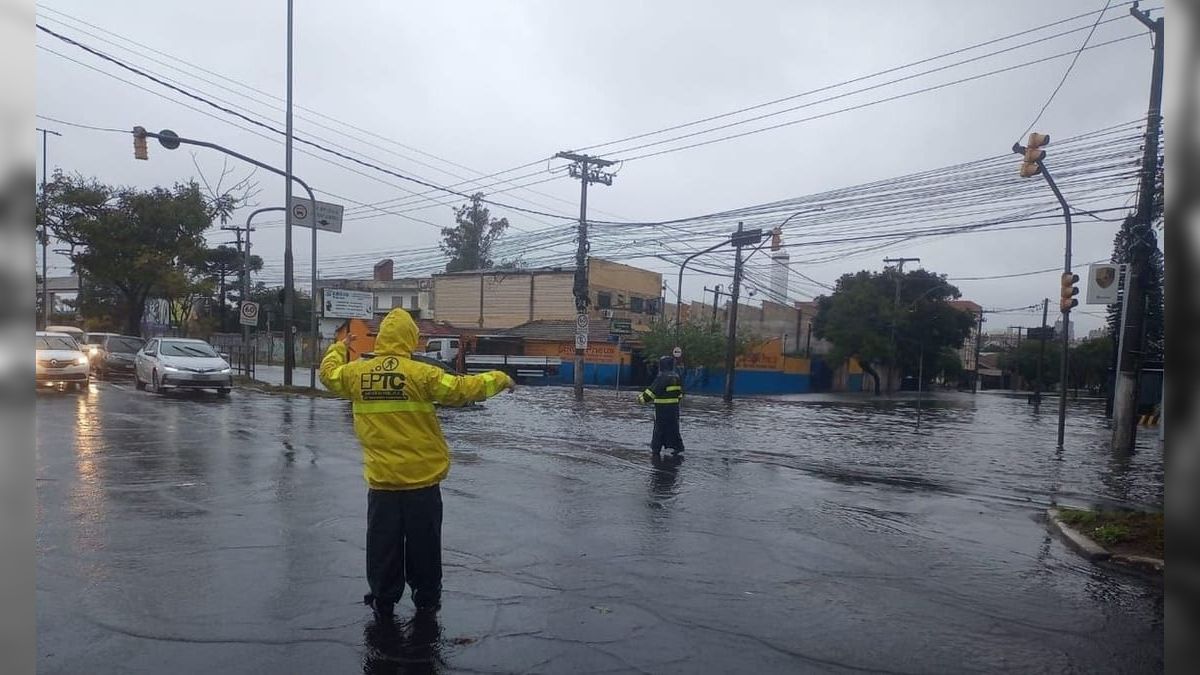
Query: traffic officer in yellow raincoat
x=665 y=393
x=405 y=456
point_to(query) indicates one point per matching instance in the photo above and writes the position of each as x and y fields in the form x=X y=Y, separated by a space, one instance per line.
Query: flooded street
x=811 y=534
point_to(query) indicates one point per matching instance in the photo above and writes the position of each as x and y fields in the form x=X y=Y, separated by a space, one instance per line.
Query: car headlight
x=81 y=360
x=172 y=369
x=226 y=371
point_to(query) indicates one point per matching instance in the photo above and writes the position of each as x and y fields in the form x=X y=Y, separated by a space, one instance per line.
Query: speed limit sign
x=249 y=313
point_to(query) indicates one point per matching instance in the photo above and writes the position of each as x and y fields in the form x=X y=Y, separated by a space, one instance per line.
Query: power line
x=846 y=82
x=1066 y=74
x=297 y=139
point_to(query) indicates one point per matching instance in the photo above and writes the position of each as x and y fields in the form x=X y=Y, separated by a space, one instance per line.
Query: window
x=124 y=345
x=50 y=342
x=454 y=344
x=434 y=346
x=604 y=300
x=637 y=305
x=195 y=349
x=652 y=306
x=152 y=348
x=413 y=301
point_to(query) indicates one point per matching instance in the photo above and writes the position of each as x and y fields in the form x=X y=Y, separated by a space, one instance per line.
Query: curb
x=1090 y=549
x=1097 y=553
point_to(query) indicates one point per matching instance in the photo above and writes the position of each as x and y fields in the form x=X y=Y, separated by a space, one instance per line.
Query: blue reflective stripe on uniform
x=370 y=407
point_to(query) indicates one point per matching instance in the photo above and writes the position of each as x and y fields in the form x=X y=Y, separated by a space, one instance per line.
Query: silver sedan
x=181 y=363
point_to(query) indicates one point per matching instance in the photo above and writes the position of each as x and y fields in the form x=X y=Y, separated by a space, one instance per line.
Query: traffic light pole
x=1066 y=307
x=170 y=140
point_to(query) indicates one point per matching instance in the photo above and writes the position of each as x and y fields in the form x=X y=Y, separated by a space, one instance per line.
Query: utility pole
x=1039 y=385
x=1133 y=349
x=978 y=345
x=588 y=170
x=717 y=293
x=899 y=267
x=289 y=284
x=45 y=235
x=739 y=239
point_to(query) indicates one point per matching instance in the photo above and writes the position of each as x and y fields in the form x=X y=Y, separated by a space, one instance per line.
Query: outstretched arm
x=456 y=390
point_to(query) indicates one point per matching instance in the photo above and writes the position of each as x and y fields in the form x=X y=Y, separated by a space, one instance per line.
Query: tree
x=124 y=240
x=469 y=243
x=703 y=343
x=220 y=264
x=859 y=316
x=270 y=305
x=1123 y=246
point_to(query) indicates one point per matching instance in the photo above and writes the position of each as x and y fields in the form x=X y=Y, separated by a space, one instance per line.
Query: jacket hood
x=398 y=334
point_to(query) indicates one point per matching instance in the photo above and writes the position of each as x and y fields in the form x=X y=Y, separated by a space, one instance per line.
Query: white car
x=181 y=363
x=59 y=361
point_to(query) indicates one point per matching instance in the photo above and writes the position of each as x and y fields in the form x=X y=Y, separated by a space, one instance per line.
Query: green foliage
x=126 y=242
x=858 y=319
x=270 y=305
x=948 y=365
x=1123 y=248
x=703 y=343
x=469 y=243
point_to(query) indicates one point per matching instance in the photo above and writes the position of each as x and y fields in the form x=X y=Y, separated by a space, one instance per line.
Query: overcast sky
x=492 y=85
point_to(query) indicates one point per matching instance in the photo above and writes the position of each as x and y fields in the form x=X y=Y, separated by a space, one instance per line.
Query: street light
x=170 y=140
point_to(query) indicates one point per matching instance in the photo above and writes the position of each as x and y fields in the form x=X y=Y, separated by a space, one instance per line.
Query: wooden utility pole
x=588 y=170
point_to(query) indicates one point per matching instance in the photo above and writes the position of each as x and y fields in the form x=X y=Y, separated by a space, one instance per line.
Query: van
x=444 y=349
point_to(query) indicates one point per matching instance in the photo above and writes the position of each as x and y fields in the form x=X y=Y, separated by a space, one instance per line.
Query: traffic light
x=139 y=143
x=1034 y=154
x=1069 y=291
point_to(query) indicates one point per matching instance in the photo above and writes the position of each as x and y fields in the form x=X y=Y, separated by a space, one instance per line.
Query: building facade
x=413 y=294
x=502 y=298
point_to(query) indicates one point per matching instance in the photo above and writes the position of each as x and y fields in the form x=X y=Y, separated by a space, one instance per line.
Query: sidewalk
x=274 y=375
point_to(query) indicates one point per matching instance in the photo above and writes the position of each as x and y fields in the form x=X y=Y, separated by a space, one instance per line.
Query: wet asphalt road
x=823 y=534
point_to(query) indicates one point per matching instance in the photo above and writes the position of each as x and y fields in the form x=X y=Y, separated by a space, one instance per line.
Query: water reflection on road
x=796 y=534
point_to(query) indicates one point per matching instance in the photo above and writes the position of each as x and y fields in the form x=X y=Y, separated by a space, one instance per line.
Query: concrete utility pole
x=978 y=345
x=717 y=293
x=899 y=267
x=740 y=239
x=246 y=265
x=289 y=284
x=44 y=234
x=1133 y=350
x=587 y=170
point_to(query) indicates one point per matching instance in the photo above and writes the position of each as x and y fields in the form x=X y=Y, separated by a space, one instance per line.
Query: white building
x=412 y=294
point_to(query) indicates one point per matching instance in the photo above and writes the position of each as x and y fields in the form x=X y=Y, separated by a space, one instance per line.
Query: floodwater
x=798 y=534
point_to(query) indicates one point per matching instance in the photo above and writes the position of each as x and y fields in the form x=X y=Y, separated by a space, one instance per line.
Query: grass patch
x=244 y=382
x=1131 y=532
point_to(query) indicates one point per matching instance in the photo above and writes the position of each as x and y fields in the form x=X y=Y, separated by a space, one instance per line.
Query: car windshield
x=96 y=339
x=187 y=349
x=55 y=342
x=124 y=345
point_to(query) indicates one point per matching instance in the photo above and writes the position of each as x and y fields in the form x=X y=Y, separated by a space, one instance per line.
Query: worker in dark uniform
x=665 y=393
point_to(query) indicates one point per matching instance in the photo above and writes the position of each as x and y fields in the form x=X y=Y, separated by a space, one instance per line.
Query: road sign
x=581 y=341
x=249 y=313
x=1036 y=333
x=621 y=326
x=1102 y=284
x=677 y=352
x=329 y=216
x=339 y=303
x=581 y=323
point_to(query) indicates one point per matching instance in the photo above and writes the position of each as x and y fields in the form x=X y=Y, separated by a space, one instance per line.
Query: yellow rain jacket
x=393 y=397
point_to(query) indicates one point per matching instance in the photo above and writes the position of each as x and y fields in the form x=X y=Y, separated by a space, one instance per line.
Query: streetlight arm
x=679 y=287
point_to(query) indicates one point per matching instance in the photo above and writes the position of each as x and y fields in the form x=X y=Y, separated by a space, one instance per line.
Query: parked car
x=112 y=353
x=78 y=334
x=443 y=349
x=58 y=361
x=181 y=363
